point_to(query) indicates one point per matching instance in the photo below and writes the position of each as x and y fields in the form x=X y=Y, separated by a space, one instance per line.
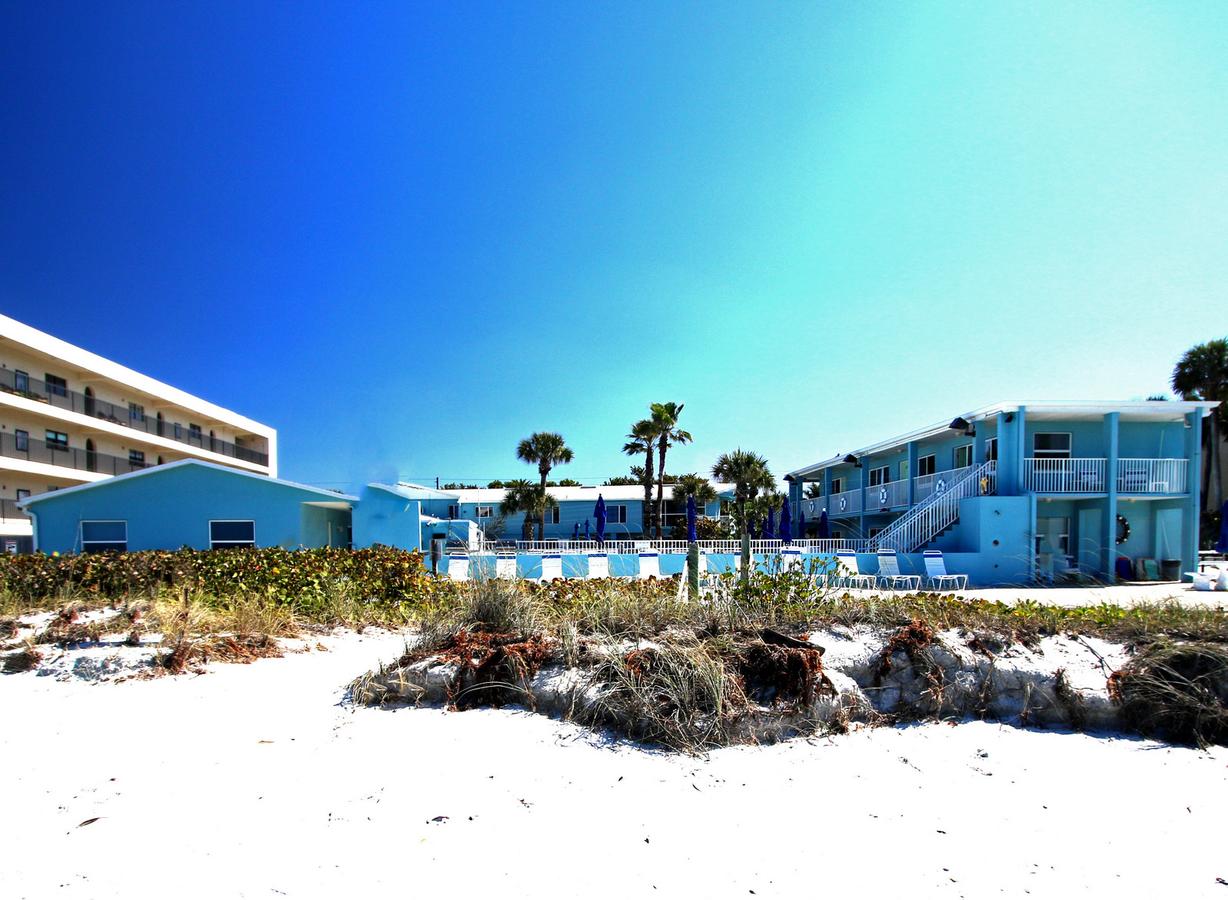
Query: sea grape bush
x=303 y=579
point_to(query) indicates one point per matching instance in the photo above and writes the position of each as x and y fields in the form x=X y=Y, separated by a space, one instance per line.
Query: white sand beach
x=256 y=781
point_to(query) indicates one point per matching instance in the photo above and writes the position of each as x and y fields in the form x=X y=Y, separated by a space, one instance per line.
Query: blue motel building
x=1020 y=492
x=1012 y=494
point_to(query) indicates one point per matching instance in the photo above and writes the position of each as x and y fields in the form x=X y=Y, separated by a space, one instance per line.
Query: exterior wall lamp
x=852 y=460
x=959 y=423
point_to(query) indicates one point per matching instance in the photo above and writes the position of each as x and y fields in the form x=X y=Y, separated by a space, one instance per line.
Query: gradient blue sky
x=408 y=236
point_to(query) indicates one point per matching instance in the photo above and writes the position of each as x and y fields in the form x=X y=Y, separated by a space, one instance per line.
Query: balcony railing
x=10 y=512
x=1152 y=476
x=845 y=503
x=935 y=482
x=73 y=401
x=1064 y=476
x=40 y=451
x=880 y=497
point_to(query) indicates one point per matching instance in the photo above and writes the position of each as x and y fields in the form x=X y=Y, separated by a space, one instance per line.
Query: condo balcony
x=1088 y=475
x=58 y=396
x=40 y=451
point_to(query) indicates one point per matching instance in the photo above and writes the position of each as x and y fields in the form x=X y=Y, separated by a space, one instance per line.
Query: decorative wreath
x=1123 y=529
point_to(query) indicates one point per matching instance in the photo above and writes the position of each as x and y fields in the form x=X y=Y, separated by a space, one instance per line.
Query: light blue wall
x=381 y=517
x=171 y=508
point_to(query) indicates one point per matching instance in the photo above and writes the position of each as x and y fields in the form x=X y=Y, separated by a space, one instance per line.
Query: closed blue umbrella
x=599 y=515
x=786 y=522
x=575 y=531
x=801 y=524
x=1221 y=546
x=824 y=528
x=586 y=529
x=690 y=519
x=769 y=524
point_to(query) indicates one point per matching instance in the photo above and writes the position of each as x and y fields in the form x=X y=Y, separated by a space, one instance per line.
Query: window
x=194 y=433
x=837 y=485
x=881 y=475
x=99 y=535
x=925 y=465
x=22 y=493
x=552 y=515
x=991 y=449
x=961 y=457
x=616 y=514
x=453 y=510
x=56 y=385
x=22 y=440
x=874 y=532
x=178 y=432
x=136 y=414
x=21 y=381
x=56 y=440
x=486 y=512
x=136 y=459
x=225 y=533
x=1051 y=445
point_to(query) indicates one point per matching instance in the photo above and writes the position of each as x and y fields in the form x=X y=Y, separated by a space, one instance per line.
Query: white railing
x=813 y=507
x=732 y=545
x=925 y=486
x=845 y=503
x=937 y=512
x=1064 y=476
x=887 y=496
x=1152 y=476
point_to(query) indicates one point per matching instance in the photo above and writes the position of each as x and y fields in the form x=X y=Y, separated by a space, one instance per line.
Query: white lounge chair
x=889 y=575
x=458 y=566
x=505 y=566
x=848 y=574
x=650 y=564
x=936 y=573
x=552 y=566
x=598 y=565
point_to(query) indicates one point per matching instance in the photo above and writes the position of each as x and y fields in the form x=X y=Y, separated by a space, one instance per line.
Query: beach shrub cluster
x=304 y=580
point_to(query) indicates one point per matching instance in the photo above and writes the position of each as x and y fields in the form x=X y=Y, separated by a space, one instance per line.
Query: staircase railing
x=938 y=511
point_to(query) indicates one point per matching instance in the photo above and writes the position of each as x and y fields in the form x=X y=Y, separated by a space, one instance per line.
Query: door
x=1091 y=538
x=1168 y=534
x=904 y=471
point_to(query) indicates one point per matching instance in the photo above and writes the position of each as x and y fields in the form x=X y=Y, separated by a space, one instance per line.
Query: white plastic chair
x=650 y=565
x=936 y=573
x=598 y=565
x=505 y=566
x=848 y=573
x=889 y=575
x=552 y=566
x=458 y=567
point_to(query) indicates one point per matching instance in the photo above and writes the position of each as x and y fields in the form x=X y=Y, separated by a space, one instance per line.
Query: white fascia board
x=47 y=470
x=83 y=359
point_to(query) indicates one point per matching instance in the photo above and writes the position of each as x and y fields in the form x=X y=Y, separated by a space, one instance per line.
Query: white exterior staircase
x=939 y=511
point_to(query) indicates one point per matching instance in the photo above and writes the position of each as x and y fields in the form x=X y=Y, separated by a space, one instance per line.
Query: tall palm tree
x=642 y=439
x=696 y=486
x=523 y=496
x=749 y=474
x=1202 y=374
x=665 y=418
x=545 y=449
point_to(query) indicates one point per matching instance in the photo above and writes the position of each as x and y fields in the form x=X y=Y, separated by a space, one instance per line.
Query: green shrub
x=303 y=579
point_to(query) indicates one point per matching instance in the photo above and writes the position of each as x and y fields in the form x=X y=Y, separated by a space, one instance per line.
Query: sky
x=408 y=235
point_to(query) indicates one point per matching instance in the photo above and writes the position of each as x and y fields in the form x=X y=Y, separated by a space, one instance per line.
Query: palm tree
x=665 y=418
x=642 y=439
x=1202 y=374
x=696 y=486
x=814 y=490
x=523 y=496
x=545 y=449
x=749 y=475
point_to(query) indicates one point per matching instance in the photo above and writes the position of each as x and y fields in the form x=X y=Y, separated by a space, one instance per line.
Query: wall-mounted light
x=959 y=423
x=852 y=460
x=1010 y=417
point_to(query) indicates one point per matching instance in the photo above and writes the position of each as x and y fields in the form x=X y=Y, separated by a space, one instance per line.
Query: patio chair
x=598 y=565
x=848 y=574
x=936 y=573
x=650 y=564
x=890 y=576
x=458 y=566
x=552 y=566
x=505 y=565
